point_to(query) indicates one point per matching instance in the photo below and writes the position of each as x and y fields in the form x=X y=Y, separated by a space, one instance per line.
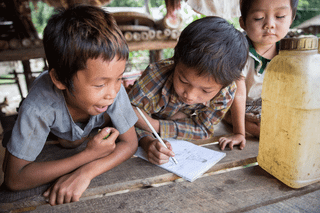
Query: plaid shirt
x=154 y=93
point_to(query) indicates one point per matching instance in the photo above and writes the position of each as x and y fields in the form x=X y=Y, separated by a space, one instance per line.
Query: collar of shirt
x=260 y=63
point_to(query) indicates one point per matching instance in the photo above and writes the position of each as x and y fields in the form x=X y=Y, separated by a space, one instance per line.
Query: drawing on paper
x=193 y=160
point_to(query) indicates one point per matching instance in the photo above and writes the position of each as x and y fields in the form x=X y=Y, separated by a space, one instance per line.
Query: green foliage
x=126 y=3
x=156 y=3
x=40 y=15
x=306 y=10
x=309 y=4
x=138 y=60
x=168 y=53
x=235 y=22
x=135 y=3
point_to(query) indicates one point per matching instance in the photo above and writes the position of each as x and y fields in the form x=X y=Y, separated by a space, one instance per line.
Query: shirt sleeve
x=29 y=133
x=139 y=99
x=121 y=113
x=146 y=94
x=200 y=125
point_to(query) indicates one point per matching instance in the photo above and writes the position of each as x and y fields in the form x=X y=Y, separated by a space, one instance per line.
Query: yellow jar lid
x=299 y=43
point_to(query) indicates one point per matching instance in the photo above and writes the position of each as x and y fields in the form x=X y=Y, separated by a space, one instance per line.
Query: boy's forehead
x=192 y=74
x=95 y=68
x=259 y=5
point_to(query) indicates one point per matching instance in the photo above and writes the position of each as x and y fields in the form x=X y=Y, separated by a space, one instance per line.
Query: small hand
x=67 y=188
x=158 y=154
x=232 y=141
x=103 y=147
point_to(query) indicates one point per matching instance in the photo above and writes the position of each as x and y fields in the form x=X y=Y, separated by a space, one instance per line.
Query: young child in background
x=184 y=97
x=265 y=23
x=87 y=54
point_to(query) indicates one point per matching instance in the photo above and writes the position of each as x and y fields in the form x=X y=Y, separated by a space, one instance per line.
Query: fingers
x=167 y=151
x=242 y=145
x=108 y=132
x=232 y=141
x=168 y=145
x=158 y=154
x=60 y=196
x=223 y=142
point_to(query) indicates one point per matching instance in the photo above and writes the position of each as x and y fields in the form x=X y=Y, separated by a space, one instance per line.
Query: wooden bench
x=234 y=184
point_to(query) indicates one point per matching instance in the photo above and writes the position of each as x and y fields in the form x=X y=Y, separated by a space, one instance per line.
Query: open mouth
x=102 y=108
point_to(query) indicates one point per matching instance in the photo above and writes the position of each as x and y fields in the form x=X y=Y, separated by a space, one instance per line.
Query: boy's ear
x=56 y=82
x=242 y=25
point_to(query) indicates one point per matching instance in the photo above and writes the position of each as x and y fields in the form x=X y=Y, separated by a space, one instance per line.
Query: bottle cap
x=299 y=43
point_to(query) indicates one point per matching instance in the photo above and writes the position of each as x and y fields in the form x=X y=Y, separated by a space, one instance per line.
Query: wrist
x=86 y=172
x=145 y=142
x=239 y=133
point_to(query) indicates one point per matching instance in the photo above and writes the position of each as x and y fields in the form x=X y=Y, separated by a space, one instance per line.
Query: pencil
x=105 y=136
x=154 y=132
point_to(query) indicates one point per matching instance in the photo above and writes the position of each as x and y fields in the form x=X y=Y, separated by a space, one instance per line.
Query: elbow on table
x=13 y=184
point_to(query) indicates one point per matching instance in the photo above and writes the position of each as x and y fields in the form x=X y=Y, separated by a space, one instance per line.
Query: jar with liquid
x=289 y=146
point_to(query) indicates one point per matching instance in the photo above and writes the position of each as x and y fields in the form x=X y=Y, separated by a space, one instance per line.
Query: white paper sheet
x=193 y=160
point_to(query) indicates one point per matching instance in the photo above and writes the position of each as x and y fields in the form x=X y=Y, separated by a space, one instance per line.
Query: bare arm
x=238 y=108
x=238 y=118
x=124 y=149
x=70 y=187
x=21 y=174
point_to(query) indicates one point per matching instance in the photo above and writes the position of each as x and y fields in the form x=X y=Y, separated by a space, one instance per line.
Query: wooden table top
x=234 y=184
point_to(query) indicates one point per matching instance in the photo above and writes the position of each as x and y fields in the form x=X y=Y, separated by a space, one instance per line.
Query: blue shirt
x=45 y=110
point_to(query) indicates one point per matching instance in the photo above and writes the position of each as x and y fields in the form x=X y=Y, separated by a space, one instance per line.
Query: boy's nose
x=190 y=94
x=110 y=93
x=270 y=23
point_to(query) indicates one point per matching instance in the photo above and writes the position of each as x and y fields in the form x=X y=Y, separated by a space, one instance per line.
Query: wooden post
x=17 y=82
x=27 y=73
x=155 y=55
x=146 y=4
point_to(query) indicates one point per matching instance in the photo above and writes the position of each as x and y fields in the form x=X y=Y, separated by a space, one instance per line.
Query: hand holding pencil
x=157 y=150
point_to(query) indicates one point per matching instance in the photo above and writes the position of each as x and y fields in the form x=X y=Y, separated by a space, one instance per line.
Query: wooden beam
x=22 y=54
x=38 y=52
x=152 y=45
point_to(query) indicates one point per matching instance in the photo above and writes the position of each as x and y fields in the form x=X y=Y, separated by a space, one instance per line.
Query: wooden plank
x=151 y=45
x=38 y=52
x=132 y=174
x=22 y=54
x=234 y=191
x=305 y=203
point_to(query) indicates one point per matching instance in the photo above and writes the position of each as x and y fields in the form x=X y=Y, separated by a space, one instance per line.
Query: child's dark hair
x=214 y=48
x=82 y=32
x=245 y=6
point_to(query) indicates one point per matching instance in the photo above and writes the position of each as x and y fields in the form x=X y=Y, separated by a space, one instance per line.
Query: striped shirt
x=154 y=93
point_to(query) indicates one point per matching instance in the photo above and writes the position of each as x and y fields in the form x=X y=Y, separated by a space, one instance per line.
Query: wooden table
x=235 y=184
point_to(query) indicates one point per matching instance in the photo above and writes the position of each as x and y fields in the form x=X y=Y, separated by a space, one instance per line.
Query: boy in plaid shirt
x=183 y=97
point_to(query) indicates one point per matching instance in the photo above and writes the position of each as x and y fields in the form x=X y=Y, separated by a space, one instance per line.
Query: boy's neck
x=266 y=51
x=76 y=114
